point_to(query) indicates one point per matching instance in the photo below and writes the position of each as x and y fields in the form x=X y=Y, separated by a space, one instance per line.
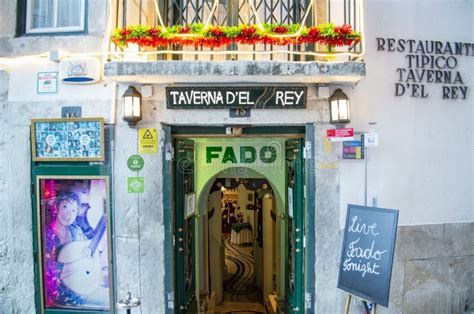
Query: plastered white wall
x=423 y=166
x=424 y=163
x=19 y=105
x=23 y=88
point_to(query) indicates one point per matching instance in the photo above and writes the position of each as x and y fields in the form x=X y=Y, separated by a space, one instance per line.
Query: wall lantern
x=132 y=106
x=339 y=107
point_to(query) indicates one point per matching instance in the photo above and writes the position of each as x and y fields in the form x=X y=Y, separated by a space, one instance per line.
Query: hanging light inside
x=132 y=106
x=339 y=108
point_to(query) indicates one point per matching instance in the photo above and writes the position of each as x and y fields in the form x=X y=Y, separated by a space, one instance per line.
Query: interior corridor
x=241 y=234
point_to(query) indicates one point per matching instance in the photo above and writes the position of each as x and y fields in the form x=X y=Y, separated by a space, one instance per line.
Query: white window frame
x=67 y=29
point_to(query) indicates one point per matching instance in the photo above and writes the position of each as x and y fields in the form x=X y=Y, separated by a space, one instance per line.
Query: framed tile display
x=68 y=139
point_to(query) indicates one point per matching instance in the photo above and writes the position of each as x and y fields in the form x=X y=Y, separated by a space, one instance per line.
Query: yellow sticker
x=327 y=145
x=148 y=141
x=328 y=166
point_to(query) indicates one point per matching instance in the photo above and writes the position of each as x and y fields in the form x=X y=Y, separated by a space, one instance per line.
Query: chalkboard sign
x=367 y=252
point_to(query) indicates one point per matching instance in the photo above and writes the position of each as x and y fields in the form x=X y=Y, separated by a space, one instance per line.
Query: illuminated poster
x=73 y=223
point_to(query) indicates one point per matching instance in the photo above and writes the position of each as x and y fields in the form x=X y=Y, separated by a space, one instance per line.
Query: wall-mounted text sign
x=244 y=155
x=230 y=97
x=428 y=62
x=147 y=143
x=353 y=149
x=47 y=83
x=367 y=252
x=340 y=135
x=68 y=139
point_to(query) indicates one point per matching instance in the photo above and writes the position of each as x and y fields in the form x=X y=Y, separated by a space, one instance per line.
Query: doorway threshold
x=238 y=307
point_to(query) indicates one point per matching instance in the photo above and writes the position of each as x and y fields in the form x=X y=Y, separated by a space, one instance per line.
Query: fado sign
x=247 y=154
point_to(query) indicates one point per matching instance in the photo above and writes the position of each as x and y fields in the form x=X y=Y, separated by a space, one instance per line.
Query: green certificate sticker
x=135 y=163
x=135 y=184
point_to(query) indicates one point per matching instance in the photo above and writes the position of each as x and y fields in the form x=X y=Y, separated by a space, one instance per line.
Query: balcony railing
x=285 y=30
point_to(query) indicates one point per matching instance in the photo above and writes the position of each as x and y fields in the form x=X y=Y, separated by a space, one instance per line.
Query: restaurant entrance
x=242 y=242
x=237 y=220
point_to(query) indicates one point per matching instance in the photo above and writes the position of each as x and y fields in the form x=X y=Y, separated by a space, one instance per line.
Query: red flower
x=344 y=29
x=280 y=29
x=216 y=37
x=248 y=31
x=184 y=30
x=216 y=32
x=313 y=31
x=154 y=32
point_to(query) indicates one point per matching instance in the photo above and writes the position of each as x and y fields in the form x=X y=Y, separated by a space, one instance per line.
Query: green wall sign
x=247 y=154
x=135 y=163
x=135 y=184
x=240 y=158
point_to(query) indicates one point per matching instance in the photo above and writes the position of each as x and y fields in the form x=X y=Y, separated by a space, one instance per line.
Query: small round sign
x=85 y=139
x=51 y=140
x=135 y=163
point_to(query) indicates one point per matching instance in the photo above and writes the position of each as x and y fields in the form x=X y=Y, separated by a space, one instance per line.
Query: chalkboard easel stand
x=348 y=304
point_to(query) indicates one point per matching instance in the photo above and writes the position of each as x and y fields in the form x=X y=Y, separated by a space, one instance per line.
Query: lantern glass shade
x=340 y=109
x=131 y=100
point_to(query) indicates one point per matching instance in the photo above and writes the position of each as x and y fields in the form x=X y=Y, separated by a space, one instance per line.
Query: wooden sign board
x=367 y=252
x=68 y=139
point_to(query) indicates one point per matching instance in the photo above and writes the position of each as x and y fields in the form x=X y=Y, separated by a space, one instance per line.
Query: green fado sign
x=135 y=163
x=243 y=155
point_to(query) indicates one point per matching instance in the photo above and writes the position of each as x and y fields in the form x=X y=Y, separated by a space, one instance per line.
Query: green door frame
x=294 y=248
x=167 y=219
x=184 y=229
x=196 y=131
x=309 y=219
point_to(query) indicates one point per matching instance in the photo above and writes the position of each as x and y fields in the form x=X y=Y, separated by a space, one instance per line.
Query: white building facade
x=410 y=81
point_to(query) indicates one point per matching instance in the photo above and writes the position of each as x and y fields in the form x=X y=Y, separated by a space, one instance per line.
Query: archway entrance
x=206 y=275
x=241 y=235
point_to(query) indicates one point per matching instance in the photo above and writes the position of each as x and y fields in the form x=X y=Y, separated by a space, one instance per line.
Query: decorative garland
x=217 y=36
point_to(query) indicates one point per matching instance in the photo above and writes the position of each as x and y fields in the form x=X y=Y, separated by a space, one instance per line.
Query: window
x=53 y=16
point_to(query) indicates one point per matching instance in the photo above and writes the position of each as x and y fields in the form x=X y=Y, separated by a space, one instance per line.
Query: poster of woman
x=73 y=214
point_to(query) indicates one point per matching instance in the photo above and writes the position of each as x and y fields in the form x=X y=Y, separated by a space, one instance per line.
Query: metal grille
x=190 y=11
x=234 y=12
x=273 y=11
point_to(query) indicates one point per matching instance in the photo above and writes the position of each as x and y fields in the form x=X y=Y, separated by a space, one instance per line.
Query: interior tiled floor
x=240 y=295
